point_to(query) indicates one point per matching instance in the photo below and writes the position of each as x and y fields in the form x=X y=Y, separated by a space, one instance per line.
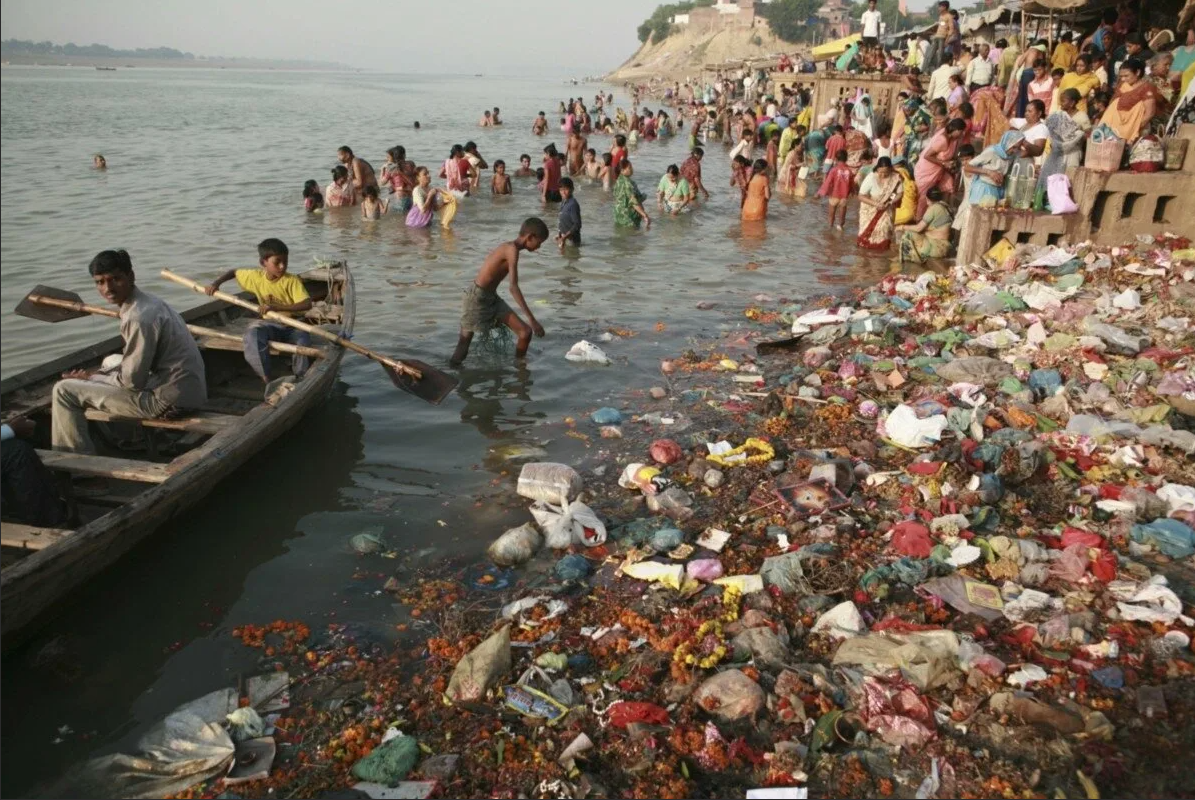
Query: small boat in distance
x=106 y=69
x=157 y=469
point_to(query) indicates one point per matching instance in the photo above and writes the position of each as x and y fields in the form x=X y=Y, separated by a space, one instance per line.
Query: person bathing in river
x=340 y=190
x=575 y=148
x=592 y=167
x=313 y=200
x=476 y=165
x=487 y=120
x=399 y=174
x=500 y=184
x=494 y=120
x=524 y=170
x=99 y=162
x=569 y=220
x=371 y=207
x=360 y=172
x=483 y=308
x=275 y=290
x=540 y=126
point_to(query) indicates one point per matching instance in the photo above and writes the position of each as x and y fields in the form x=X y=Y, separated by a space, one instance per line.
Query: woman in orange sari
x=989 y=119
x=1135 y=103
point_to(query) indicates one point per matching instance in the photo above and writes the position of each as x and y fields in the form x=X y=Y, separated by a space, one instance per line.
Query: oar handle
x=71 y=305
x=294 y=323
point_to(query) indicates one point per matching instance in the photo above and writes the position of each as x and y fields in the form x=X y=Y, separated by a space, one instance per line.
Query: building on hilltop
x=722 y=15
x=834 y=19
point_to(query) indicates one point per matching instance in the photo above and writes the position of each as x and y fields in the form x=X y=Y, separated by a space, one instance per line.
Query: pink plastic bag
x=1058 y=188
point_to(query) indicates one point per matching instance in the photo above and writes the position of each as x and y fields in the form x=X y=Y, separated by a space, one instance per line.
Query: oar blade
x=433 y=387
x=44 y=313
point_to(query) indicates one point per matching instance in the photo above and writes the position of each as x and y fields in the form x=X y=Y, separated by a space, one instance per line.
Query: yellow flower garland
x=764 y=453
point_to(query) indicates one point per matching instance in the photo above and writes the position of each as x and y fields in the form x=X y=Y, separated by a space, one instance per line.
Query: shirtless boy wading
x=483 y=308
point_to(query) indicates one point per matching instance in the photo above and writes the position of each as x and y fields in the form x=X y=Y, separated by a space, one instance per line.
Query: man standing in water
x=360 y=172
x=576 y=149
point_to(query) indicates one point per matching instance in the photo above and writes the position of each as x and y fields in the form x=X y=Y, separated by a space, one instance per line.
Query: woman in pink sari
x=457 y=179
x=935 y=165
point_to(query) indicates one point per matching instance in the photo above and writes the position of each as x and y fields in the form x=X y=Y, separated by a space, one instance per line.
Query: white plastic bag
x=587 y=352
x=546 y=482
x=1058 y=188
x=564 y=527
x=903 y=427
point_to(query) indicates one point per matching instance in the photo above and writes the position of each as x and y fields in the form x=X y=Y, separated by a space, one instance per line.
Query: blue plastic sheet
x=1168 y=535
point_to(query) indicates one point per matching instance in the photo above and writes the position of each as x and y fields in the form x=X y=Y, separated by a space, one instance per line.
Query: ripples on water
x=205 y=163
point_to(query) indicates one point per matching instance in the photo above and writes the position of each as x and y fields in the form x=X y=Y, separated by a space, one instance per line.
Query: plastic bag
x=704 y=569
x=905 y=428
x=389 y=763
x=515 y=546
x=481 y=668
x=564 y=527
x=549 y=483
x=587 y=353
x=187 y=747
x=730 y=696
x=842 y=621
x=1058 y=189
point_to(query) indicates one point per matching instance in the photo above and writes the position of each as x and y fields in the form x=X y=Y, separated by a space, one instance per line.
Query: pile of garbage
x=936 y=541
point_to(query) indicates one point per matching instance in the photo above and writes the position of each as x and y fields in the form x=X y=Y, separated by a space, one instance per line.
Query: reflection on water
x=203 y=164
x=160 y=604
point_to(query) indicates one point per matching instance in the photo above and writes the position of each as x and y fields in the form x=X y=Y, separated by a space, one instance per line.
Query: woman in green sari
x=628 y=200
x=929 y=238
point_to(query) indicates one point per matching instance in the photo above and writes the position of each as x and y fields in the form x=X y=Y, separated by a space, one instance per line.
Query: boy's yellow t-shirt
x=286 y=291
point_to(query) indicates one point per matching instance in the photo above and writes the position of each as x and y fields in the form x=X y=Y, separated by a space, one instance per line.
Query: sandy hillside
x=683 y=54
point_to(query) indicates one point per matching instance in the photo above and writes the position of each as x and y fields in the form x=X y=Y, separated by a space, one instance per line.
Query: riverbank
x=955 y=561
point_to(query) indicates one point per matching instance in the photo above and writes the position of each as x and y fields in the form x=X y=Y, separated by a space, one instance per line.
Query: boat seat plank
x=199 y=422
x=29 y=537
x=122 y=469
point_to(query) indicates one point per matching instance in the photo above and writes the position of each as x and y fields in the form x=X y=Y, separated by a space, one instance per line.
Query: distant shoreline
x=170 y=63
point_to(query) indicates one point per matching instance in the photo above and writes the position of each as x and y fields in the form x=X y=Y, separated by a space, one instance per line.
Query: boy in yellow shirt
x=275 y=291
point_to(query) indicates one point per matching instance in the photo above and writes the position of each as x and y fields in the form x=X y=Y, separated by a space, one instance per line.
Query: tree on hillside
x=657 y=27
x=789 y=19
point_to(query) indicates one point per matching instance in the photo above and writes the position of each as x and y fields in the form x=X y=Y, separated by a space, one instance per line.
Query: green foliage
x=657 y=27
x=789 y=19
x=20 y=47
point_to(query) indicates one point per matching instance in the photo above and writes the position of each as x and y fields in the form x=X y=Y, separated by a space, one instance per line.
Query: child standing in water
x=592 y=167
x=524 y=170
x=371 y=206
x=500 y=184
x=400 y=175
x=837 y=187
x=483 y=308
x=569 y=222
x=313 y=200
x=604 y=174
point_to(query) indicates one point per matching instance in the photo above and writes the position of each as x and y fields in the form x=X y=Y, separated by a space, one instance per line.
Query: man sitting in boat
x=275 y=291
x=30 y=494
x=160 y=373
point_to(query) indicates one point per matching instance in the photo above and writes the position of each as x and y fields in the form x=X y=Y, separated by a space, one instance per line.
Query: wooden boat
x=176 y=462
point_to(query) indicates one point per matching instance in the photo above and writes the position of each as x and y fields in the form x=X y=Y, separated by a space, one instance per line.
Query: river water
x=205 y=163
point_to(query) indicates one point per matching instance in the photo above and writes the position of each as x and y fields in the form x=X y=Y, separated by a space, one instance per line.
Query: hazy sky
x=569 y=38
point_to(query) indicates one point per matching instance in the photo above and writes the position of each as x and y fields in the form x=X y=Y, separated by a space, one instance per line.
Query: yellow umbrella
x=835 y=48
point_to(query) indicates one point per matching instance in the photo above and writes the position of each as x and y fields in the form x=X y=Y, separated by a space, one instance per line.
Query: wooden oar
x=47 y=304
x=420 y=379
